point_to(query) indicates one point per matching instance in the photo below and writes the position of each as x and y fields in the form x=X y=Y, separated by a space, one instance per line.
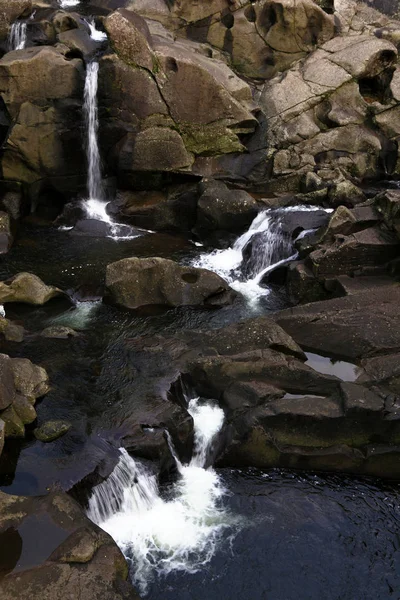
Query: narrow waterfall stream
x=265 y=246
x=159 y=534
x=96 y=203
x=17 y=36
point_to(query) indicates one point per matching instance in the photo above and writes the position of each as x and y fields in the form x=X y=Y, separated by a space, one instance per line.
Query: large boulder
x=154 y=120
x=22 y=383
x=136 y=282
x=221 y=209
x=75 y=557
x=27 y=288
x=42 y=90
x=7 y=386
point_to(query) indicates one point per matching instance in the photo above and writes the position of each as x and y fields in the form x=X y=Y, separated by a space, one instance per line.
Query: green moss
x=210 y=140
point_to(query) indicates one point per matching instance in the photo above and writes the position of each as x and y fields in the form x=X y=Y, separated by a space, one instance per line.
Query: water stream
x=17 y=36
x=96 y=203
x=261 y=249
x=161 y=531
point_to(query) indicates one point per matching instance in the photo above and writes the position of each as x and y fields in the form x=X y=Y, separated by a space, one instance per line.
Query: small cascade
x=69 y=3
x=95 y=34
x=159 y=535
x=265 y=246
x=96 y=203
x=17 y=36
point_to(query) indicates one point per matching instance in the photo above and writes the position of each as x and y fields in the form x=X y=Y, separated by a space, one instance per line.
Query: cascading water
x=95 y=34
x=94 y=181
x=160 y=535
x=265 y=246
x=69 y=3
x=17 y=37
x=96 y=203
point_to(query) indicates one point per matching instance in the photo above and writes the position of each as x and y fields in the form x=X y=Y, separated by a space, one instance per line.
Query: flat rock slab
x=353 y=327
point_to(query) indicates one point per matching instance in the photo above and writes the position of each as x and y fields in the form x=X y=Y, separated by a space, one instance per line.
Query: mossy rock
x=52 y=430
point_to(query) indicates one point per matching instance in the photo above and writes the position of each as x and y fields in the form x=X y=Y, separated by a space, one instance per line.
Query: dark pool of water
x=304 y=537
x=93 y=377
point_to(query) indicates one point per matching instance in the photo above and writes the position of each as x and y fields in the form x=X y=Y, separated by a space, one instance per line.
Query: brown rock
x=136 y=282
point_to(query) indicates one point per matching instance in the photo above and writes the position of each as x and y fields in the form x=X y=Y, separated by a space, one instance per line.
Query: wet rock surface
x=71 y=555
x=133 y=283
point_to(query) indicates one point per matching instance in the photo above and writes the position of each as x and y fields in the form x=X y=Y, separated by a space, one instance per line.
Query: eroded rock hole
x=190 y=277
x=171 y=64
x=269 y=16
x=376 y=89
x=250 y=13
x=228 y=20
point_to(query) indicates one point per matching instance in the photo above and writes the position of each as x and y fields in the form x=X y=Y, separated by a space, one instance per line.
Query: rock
x=317 y=116
x=154 y=149
x=7 y=386
x=11 y=331
x=10 y=11
x=27 y=288
x=252 y=334
x=263 y=37
x=60 y=332
x=77 y=558
x=136 y=282
x=6 y=235
x=30 y=380
x=2 y=435
x=80 y=42
x=130 y=37
x=42 y=91
x=174 y=210
x=51 y=430
x=221 y=209
x=368 y=248
x=24 y=409
x=388 y=205
x=92 y=227
x=14 y=426
x=369 y=319
x=154 y=121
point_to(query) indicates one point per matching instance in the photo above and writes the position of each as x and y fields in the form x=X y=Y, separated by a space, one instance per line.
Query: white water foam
x=276 y=250
x=69 y=3
x=2 y=310
x=160 y=535
x=17 y=36
x=95 y=34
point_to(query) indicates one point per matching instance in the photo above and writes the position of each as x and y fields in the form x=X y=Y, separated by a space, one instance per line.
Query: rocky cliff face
x=273 y=95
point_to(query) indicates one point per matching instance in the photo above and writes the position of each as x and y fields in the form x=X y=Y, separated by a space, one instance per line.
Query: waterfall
x=159 y=535
x=94 y=183
x=17 y=36
x=265 y=246
x=96 y=203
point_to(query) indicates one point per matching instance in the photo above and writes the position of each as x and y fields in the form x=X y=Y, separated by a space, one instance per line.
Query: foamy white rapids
x=2 y=311
x=69 y=3
x=95 y=34
x=17 y=36
x=159 y=535
x=277 y=249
